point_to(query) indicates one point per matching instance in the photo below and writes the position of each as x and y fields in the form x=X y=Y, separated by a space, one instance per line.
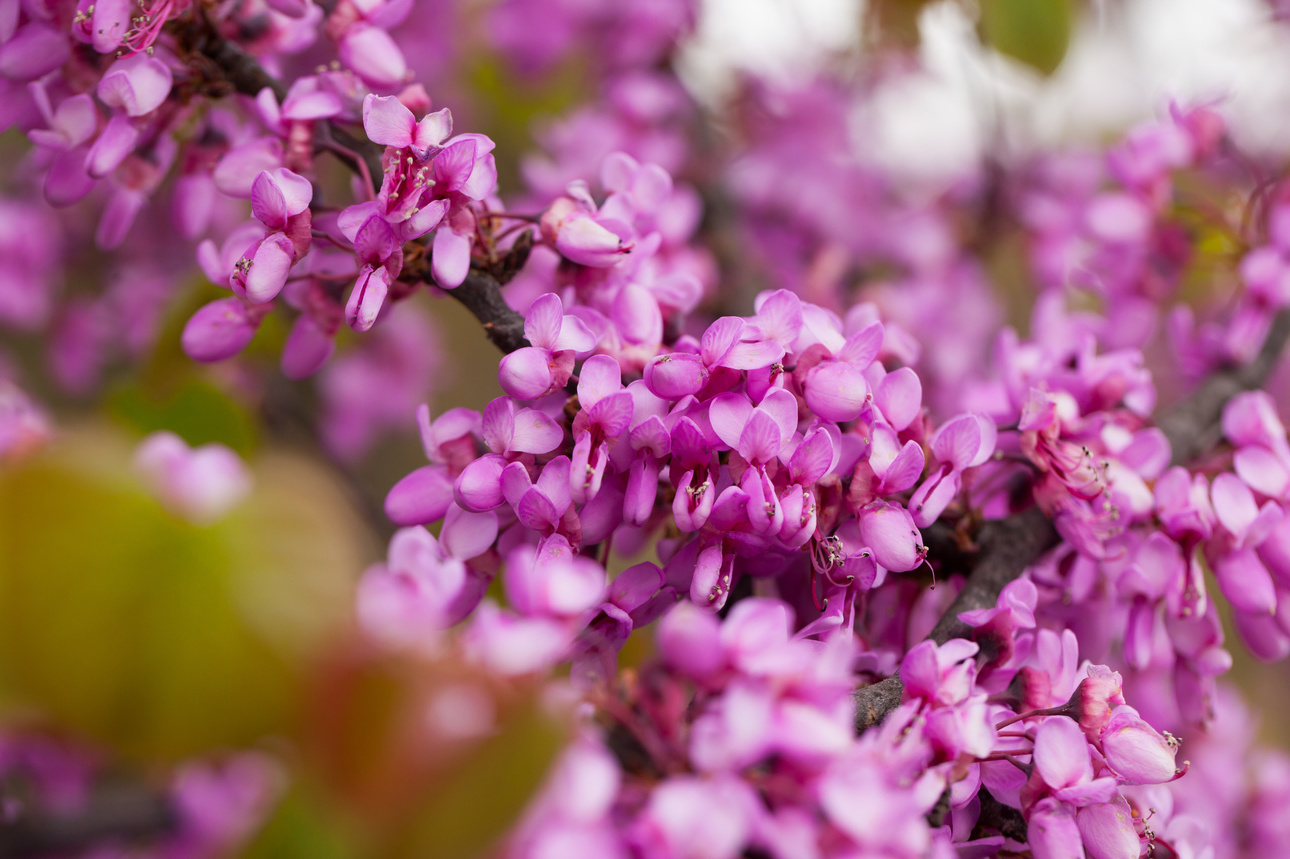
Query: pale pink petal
x=525 y=374
x=676 y=375
x=729 y=414
x=219 y=330
x=466 y=535
x=1061 y=753
x=899 y=397
x=450 y=259
x=387 y=121
x=114 y=143
x=137 y=84
x=836 y=391
x=420 y=498
x=535 y=432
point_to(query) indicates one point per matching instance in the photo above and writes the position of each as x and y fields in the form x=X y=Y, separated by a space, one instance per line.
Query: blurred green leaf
x=301 y=827
x=163 y=639
x=1036 y=32
x=472 y=807
x=195 y=410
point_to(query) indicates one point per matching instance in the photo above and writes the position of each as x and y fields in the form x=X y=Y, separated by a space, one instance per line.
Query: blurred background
x=220 y=661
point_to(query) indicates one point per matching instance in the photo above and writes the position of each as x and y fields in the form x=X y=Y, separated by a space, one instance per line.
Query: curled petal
x=137 y=84
x=367 y=298
x=450 y=261
x=387 y=121
x=219 y=330
x=525 y=374
x=420 y=498
x=676 y=375
x=836 y=391
x=899 y=397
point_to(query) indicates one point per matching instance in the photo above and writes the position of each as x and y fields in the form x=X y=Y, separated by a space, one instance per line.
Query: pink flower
x=1137 y=751
x=545 y=365
x=201 y=484
x=137 y=84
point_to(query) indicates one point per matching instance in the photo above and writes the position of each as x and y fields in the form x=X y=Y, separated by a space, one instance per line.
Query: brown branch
x=1009 y=546
x=481 y=294
x=1193 y=425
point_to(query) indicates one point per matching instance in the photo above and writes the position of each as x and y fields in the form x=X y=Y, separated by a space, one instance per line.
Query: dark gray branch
x=481 y=294
x=120 y=813
x=1193 y=425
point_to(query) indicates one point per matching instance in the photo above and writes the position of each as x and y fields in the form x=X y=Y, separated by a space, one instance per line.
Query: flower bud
x=1136 y=750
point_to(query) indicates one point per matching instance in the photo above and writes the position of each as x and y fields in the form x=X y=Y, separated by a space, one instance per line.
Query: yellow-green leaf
x=131 y=627
x=1036 y=32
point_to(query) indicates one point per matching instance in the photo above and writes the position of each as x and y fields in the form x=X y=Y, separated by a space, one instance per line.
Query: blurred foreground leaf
x=428 y=786
x=158 y=637
x=196 y=411
x=1036 y=32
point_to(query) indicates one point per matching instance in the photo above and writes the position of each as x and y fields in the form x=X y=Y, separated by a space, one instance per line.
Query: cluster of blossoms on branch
x=774 y=486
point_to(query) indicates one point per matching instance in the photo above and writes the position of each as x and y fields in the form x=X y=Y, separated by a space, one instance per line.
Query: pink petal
x=600 y=376
x=525 y=374
x=1108 y=830
x=815 y=457
x=267 y=203
x=237 y=169
x=114 y=143
x=387 y=121
x=1233 y=504
x=420 y=498
x=575 y=336
x=367 y=298
x=905 y=469
x=479 y=486
x=219 y=330
x=676 y=375
x=137 y=84
x=432 y=130
x=889 y=531
x=535 y=432
x=1135 y=750
x=35 y=50
x=637 y=316
x=899 y=397
x=1061 y=753
x=760 y=441
x=450 y=259
x=307 y=349
x=466 y=535
x=1246 y=582
x=720 y=337
x=582 y=239
x=689 y=640
x=836 y=391
x=374 y=56
x=862 y=347
x=782 y=408
x=543 y=319
x=1262 y=471
x=729 y=414
x=635 y=585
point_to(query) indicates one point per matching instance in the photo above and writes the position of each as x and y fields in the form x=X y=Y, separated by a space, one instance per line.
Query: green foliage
x=196 y=411
x=1036 y=32
x=160 y=638
x=302 y=827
